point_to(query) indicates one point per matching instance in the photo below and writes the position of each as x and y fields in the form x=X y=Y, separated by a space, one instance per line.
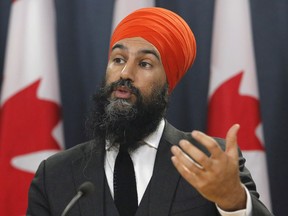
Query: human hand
x=215 y=177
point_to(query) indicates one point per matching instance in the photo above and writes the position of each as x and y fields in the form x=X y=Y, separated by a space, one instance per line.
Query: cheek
x=149 y=87
x=110 y=75
x=158 y=79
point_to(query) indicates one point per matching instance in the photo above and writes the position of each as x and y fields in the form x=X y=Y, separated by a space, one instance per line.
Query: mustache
x=123 y=83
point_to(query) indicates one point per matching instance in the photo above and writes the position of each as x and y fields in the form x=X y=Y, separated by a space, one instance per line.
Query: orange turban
x=168 y=32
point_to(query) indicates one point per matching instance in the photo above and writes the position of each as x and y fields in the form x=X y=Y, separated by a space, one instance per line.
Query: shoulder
x=70 y=155
x=174 y=135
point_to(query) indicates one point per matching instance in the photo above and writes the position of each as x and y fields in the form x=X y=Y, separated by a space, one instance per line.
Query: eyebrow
x=119 y=46
x=148 y=51
x=143 y=51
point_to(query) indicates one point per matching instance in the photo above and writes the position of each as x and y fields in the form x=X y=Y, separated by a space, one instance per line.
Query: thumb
x=231 y=141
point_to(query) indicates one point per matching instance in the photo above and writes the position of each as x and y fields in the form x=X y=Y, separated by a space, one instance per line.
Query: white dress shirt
x=143 y=159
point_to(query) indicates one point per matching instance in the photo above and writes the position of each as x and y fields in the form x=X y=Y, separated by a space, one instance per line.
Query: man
x=138 y=162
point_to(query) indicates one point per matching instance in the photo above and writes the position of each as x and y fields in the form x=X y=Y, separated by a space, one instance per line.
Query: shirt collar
x=154 y=138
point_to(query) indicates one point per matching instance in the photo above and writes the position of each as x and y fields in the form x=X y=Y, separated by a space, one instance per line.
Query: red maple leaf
x=227 y=107
x=26 y=126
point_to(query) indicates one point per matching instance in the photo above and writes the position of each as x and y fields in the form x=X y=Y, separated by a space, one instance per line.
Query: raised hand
x=216 y=177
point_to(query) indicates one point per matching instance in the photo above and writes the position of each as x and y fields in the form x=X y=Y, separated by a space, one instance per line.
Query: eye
x=119 y=60
x=144 y=64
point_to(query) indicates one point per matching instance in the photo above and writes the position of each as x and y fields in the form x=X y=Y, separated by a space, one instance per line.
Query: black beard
x=124 y=123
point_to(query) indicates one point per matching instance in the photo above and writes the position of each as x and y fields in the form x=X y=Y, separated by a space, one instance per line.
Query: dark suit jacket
x=58 y=178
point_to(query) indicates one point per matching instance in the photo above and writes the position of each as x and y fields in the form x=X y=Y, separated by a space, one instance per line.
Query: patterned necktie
x=125 y=191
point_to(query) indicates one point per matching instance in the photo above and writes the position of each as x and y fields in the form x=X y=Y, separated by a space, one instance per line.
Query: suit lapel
x=165 y=176
x=90 y=167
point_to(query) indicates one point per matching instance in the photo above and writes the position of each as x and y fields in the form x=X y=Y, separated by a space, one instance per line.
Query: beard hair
x=121 y=122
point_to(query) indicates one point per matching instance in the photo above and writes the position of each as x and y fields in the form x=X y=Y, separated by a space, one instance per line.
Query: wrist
x=235 y=201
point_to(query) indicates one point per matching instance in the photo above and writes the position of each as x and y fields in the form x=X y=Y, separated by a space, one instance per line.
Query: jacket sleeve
x=258 y=208
x=37 y=198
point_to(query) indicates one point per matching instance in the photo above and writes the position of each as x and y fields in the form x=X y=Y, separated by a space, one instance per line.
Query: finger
x=185 y=161
x=210 y=143
x=231 y=141
x=184 y=172
x=201 y=160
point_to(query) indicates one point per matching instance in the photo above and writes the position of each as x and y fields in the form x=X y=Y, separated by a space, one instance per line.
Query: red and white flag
x=233 y=91
x=30 y=123
x=124 y=7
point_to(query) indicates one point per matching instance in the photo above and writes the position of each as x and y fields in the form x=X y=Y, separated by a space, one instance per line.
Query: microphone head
x=86 y=188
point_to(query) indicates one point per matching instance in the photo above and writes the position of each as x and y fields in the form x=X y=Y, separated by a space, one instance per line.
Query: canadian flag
x=233 y=91
x=124 y=7
x=30 y=123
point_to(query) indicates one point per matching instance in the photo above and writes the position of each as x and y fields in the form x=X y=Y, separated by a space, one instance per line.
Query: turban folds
x=168 y=32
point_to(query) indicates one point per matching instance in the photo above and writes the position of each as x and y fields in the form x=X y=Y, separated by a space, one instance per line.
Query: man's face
x=134 y=97
x=137 y=60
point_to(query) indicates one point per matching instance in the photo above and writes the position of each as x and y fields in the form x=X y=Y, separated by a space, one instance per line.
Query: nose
x=128 y=71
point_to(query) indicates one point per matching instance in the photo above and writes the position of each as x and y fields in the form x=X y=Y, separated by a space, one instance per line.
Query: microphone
x=84 y=189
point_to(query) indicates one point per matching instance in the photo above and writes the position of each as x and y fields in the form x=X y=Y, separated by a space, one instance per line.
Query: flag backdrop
x=123 y=7
x=83 y=33
x=233 y=88
x=30 y=125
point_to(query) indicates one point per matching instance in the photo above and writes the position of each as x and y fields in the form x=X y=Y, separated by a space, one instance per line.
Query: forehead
x=136 y=44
